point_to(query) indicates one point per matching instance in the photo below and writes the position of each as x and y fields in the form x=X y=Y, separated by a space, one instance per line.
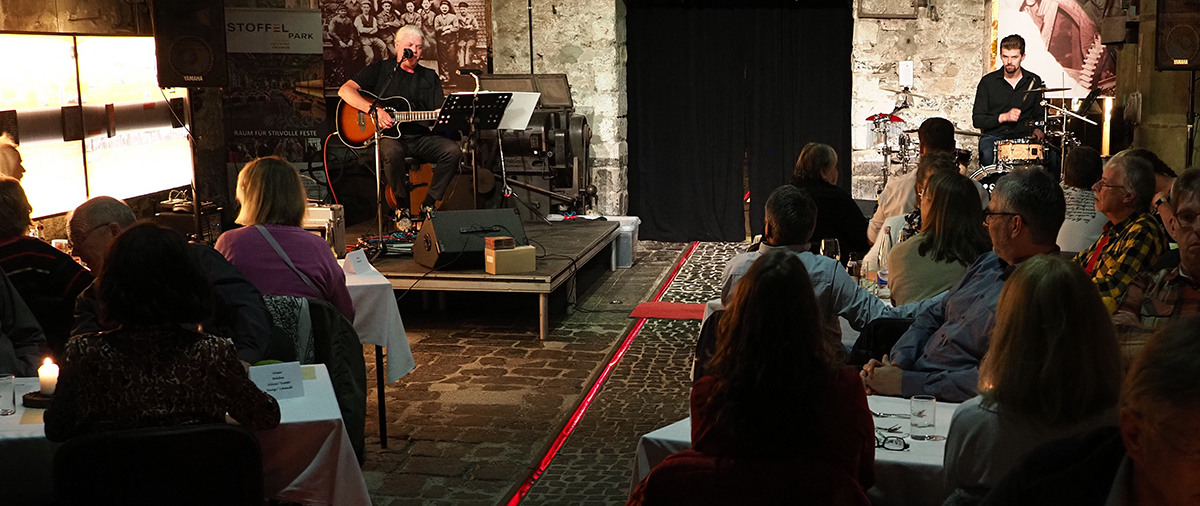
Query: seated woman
x=838 y=217
x=952 y=237
x=777 y=391
x=47 y=279
x=1053 y=370
x=155 y=369
x=272 y=249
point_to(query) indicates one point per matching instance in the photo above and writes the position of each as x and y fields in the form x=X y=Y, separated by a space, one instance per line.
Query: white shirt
x=1083 y=225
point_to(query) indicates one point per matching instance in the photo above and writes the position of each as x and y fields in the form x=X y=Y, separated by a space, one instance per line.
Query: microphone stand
x=373 y=113
x=1062 y=144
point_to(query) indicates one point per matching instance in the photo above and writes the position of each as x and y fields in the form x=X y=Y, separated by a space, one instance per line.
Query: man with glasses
x=939 y=355
x=1133 y=239
x=239 y=313
x=1157 y=298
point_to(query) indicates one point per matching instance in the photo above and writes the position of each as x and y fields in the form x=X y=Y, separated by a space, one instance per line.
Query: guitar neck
x=406 y=116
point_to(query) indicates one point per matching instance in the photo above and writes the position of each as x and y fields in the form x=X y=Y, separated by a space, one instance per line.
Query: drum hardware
x=1067 y=137
x=1044 y=90
x=881 y=124
x=972 y=133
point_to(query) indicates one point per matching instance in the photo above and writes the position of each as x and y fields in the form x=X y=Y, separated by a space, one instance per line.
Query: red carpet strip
x=668 y=310
x=591 y=395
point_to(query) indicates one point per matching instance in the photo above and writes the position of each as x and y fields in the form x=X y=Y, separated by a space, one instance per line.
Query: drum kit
x=1013 y=153
x=892 y=141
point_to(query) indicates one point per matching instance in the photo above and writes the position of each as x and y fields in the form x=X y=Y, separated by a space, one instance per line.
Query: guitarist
x=423 y=90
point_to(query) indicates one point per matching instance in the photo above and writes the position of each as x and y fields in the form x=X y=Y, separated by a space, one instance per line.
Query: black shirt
x=422 y=88
x=838 y=217
x=994 y=96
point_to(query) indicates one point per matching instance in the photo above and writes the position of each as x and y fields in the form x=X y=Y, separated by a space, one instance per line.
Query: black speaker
x=189 y=41
x=1177 y=35
x=454 y=239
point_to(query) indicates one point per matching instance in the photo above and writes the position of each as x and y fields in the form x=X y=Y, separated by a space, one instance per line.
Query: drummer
x=1005 y=108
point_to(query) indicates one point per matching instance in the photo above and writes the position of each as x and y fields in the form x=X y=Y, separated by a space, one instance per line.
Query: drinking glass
x=831 y=249
x=923 y=416
x=8 y=395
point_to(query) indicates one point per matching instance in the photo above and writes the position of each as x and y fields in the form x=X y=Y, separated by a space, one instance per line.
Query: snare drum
x=1019 y=152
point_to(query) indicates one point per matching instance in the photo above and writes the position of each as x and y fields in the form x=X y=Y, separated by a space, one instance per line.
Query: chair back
x=706 y=344
x=336 y=344
x=201 y=465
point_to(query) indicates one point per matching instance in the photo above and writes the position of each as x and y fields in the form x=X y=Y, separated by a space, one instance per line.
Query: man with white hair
x=407 y=86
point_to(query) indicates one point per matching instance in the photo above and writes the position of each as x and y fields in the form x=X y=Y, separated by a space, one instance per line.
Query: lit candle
x=48 y=375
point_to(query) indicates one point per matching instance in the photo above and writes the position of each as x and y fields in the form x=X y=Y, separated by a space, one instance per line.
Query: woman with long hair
x=838 y=217
x=952 y=237
x=1052 y=370
x=156 y=369
x=271 y=248
x=778 y=385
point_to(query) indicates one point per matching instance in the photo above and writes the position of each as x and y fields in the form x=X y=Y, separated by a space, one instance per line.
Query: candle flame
x=48 y=361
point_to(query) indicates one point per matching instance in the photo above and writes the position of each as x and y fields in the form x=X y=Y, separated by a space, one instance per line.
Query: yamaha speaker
x=189 y=40
x=454 y=239
x=1177 y=35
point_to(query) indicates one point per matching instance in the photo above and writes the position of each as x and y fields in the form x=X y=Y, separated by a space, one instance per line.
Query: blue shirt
x=941 y=351
x=837 y=293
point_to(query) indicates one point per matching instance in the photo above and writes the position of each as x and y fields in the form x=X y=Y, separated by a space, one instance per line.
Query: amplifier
x=328 y=222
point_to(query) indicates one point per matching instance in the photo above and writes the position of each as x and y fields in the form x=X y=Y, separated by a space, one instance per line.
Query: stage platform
x=562 y=248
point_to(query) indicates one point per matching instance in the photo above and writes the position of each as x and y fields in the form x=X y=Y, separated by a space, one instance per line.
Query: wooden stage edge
x=562 y=248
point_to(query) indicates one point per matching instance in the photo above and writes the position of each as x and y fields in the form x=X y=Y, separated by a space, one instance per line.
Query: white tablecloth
x=909 y=478
x=377 y=320
x=307 y=459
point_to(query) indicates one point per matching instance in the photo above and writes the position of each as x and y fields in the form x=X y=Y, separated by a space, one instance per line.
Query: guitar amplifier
x=329 y=222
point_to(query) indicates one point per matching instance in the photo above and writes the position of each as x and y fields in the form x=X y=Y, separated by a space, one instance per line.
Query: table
x=377 y=320
x=909 y=478
x=307 y=459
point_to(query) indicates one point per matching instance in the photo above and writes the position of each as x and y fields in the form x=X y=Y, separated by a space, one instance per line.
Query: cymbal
x=972 y=133
x=1044 y=90
x=905 y=90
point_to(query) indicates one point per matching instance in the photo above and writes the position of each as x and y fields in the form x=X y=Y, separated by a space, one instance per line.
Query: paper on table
x=356 y=263
x=282 y=381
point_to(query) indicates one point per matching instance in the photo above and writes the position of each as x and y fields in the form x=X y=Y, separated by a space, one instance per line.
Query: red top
x=846 y=439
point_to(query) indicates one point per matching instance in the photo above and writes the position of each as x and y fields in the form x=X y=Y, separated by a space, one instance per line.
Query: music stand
x=466 y=112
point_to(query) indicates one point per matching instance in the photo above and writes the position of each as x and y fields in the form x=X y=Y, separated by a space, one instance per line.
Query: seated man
x=22 y=343
x=1149 y=459
x=940 y=353
x=1156 y=298
x=239 y=312
x=899 y=197
x=1133 y=238
x=790 y=218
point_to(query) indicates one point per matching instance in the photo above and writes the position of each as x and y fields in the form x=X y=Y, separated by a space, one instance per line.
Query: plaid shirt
x=1158 y=298
x=1131 y=246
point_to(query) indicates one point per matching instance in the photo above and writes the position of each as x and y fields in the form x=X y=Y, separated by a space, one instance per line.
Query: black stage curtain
x=713 y=89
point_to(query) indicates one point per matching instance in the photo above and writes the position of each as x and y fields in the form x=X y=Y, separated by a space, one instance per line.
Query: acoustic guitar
x=357 y=129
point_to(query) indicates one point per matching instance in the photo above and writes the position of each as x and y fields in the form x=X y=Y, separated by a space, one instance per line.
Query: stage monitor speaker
x=1177 y=35
x=454 y=239
x=189 y=41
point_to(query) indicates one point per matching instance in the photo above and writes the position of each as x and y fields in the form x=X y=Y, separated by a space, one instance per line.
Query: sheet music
x=519 y=110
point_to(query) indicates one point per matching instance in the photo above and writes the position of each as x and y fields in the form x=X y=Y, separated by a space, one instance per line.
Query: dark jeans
x=432 y=148
x=987 y=149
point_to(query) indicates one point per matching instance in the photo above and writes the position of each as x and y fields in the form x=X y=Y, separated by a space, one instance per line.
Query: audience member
x=1133 y=239
x=1150 y=459
x=1164 y=176
x=939 y=355
x=899 y=195
x=1156 y=298
x=952 y=237
x=22 y=343
x=47 y=279
x=903 y=227
x=279 y=256
x=789 y=219
x=152 y=370
x=839 y=217
x=10 y=158
x=1083 y=224
x=240 y=313
x=778 y=390
x=1048 y=310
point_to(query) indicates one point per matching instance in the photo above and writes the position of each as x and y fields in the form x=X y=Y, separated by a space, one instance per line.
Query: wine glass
x=831 y=249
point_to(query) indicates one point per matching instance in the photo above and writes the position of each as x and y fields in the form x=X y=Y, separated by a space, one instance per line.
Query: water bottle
x=885 y=249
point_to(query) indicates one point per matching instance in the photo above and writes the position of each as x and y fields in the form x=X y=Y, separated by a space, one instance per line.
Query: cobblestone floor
x=487 y=398
x=647 y=390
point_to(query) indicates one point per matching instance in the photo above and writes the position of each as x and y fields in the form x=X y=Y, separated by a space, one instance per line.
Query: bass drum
x=987 y=176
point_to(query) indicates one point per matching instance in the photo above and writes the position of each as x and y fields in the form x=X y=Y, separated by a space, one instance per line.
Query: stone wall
x=584 y=39
x=949 y=56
